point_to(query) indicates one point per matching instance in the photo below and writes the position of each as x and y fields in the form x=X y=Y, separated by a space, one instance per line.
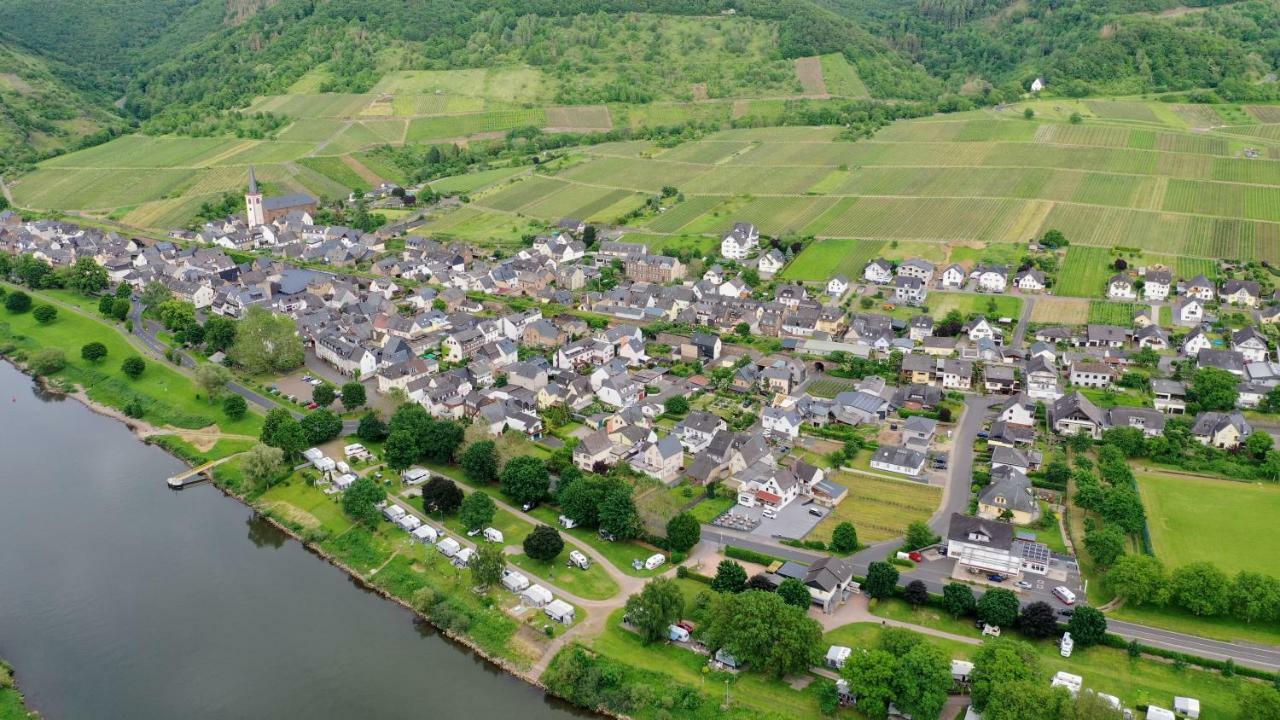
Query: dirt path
x=360 y=169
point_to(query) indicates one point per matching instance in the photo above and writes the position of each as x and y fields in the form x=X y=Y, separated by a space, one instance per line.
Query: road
x=1019 y=334
x=145 y=330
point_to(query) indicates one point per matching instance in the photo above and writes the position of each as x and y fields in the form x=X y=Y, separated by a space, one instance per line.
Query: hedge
x=1115 y=641
x=750 y=556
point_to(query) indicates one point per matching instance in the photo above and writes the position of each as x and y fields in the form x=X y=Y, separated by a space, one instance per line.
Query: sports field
x=1194 y=518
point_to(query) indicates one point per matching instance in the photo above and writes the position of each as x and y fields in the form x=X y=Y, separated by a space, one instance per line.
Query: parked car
x=307 y=378
x=1067 y=612
x=815 y=512
x=1024 y=584
x=915 y=556
x=312 y=405
x=996 y=577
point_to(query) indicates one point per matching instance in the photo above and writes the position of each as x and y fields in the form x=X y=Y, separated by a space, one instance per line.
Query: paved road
x=1019 y=334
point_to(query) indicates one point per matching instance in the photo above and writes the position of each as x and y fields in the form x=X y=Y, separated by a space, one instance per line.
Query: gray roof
x=899 y=456
x=288 y=201
x=998 y=535
x=1013 y=487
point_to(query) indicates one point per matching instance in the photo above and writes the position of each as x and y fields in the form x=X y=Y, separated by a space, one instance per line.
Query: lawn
x=620 y=553
x=167 y=396
x=879 y=508
x=1226 y=522
x=1113 y=313
x=712 y=508
x=514 y=530
x=822 y=259
x=830 y=387
x=992 y=306
x=1085 y=272
x=593 y=583
x=1104 y=669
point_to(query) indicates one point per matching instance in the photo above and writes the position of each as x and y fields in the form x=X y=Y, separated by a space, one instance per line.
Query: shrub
x=45 y=314
x=17 y=302
x=93 y=352
x=133 y=366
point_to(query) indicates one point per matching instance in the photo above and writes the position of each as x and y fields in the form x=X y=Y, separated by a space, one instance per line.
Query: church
x=263 y=211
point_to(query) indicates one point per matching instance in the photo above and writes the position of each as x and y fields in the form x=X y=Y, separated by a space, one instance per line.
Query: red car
x=312 y=406
x=915 y=557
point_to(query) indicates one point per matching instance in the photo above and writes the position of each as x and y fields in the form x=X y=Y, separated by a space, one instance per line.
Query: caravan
x=578 y=560
x=493 y=535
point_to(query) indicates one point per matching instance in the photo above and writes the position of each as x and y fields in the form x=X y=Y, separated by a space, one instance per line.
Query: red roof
x=768 y=497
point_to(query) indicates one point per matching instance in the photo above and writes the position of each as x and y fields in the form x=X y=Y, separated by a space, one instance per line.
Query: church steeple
x=253 y=203
x=253 y=182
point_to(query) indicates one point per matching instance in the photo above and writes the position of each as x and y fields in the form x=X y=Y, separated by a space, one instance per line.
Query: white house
x=1120 y=287
x=992 y=278
x=898 y=460
x=1157 y=284
x=771 y=263
x=837 y=285
x=662 y=459
x=1019 y=410
x=878 y=271
x=1030 y=280
x=1250 y=343
x=781 y=422
x=953 y=277
x=738 y=243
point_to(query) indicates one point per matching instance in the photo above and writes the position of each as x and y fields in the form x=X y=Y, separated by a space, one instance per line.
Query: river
x=120 y=598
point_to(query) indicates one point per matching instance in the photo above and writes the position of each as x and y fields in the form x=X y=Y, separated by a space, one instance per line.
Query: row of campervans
x=537 y=596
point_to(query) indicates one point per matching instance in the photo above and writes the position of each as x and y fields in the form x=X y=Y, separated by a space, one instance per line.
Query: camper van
x=493 y=535
x=1065 y=595
x=425 y=534
x=393 y=512
x=578 y=560
x=567 y=522
x=655 y=561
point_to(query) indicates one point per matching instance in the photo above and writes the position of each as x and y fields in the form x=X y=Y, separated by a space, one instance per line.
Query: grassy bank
x=166 y=396
x=12 y=706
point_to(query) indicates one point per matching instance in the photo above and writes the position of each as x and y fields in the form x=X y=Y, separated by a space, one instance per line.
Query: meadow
x=879 y=508
x=1193 y=518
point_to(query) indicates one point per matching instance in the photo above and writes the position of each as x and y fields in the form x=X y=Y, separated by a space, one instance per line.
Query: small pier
x=194 y=476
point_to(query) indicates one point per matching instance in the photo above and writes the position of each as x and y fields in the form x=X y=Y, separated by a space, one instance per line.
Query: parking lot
x=793 y=521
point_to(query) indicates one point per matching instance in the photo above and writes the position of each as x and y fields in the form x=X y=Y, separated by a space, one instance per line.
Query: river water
x=120 y=598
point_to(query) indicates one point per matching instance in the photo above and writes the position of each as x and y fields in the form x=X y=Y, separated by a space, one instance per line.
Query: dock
x=194 y=476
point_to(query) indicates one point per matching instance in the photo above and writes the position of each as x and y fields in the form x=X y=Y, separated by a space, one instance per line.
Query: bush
x=93 y=352
x=750 y=556
x=17 y=302
x=47 y=361
x=133 y=367
x=45 y=314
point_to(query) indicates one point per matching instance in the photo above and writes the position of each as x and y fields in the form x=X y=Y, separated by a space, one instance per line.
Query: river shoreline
x=145 y=431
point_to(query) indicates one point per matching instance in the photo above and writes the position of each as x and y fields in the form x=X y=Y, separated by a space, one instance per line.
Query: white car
x=1024 y=584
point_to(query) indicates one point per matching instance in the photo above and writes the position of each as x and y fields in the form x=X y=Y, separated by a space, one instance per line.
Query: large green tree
x=266 y=343
x=543 y=544
x=760 y=629
x=487 y=565
x=998 y=606
x=958 y=599
x=280 y=430
x=795 y=593
x=1200 y=588
x=1212 y=389
x=525 y=479
x=730 y=577
x=353 y=395
x=441 y=494
x=263 y=465
x=1001 y=661
x=655 y=608
x=872 y=676
x=87 y=277
x=360 y=501
x=882 y=578
x=683 y=532
x=321 y=426
x=479 y=462
x=477 y=511
x=1088 y=626
x=923 y=681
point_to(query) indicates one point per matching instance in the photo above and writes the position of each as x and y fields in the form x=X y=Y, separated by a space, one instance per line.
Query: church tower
x=253 y=202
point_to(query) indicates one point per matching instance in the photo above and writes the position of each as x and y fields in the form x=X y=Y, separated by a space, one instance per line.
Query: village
x=782 y=395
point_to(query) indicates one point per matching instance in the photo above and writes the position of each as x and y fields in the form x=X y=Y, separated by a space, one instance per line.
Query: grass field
x=1113 y=313
x=828 y=387
x=1064 y=311
x=1085 y=272
x=593 y=583
x=841 y=78
x=825 y=258
x=878 y=508
x=1195 y=518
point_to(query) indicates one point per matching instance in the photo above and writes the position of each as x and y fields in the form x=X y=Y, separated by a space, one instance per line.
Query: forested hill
x=1085 y=46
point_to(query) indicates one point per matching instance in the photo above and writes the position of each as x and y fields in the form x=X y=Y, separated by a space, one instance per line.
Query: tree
x=1212 y=389
x=844 y=538
x=676 y=405
x=477 y=511
x=353 y=395
x=480 y=462
x=525 y=479
x=1028 y=113
x=17 y=302
x=1200 y=588
x=371 y=428
x=1259 y=702
x=88 y=277
x=441 y=494
x=1138 y=579
x=155 y=294
x=323 y=395
x=760 y=629
x=487 y=564
x=401 y=449
x=1038 y=620
x=321 y=426
x=730 y=577
x=219 y=333
x=360 y=501
x=1105 y=545
x=919 y=535
x=874 y=674
x=882 y=578
x=105 y=304
x=262 y=465
x=618 y=515
x=46 y=361
x=266 y=342
x=683 y=532
x=998 y=606
x=1088 y=626
x=544 y=543
x=133 y=367
x=656 y=607
x=923 y=681
x=120 y=308
x=1258 y=445
x=234 y=406
x=1255 y=597
x=441 y=441
x=958 y=599
x=795 y=593
x=280 y=430
x=1001 y=661
x=916 y=594
x=1122 y=505
x=45 y=314
x=211 y=379
x=93 y=352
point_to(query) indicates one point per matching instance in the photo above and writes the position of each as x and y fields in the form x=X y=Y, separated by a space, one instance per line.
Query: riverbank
x=12 y=704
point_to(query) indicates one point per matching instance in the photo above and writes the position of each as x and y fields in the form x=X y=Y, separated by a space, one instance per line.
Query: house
x=917 y=268
x=1009 y=497
x=1025 y=461
x=1041 y=378
x=1157 y=285
x=662 y=460
x=1000 y=379
x=1240 y=292
x=767 y=485
x=1250 y=343
x=1221 y=430
x=1018 y=410
x=957 y=374
x=1200 y=288
x=697 y=429
x=920 y=327
x=953 y=277
x=706 y=347
x=837 y=285
x=899 y=460
x=918 y=432
x=980 y=328
x=658 y=269
x=1150 y=422
x=1075 y=413
x=1030 y=280
x=878 y=271
x=781 y=423
x=918 y=369
x=771 y=263
x=1105 y=336
x=594 y=450
x=1196 y=342
x=909 y=290
x=1120 y=287
x=1229 y=360
x=992 y=278
x=983 y=545
x=1152 y=336
x=1188 y=310
x=830 y=581
x=1091 y=374
x=1169 y=396
x=738 y=243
